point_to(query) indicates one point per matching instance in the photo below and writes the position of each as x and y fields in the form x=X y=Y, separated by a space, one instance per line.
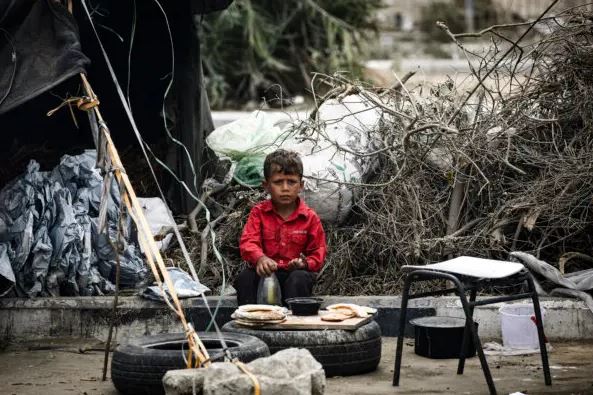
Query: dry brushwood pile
x=503 y=167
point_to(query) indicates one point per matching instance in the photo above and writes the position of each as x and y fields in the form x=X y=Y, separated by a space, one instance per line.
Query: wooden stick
x=145 y=236
x=115 y=298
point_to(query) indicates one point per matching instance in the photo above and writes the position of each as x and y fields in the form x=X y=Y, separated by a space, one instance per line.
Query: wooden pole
x=150 y=248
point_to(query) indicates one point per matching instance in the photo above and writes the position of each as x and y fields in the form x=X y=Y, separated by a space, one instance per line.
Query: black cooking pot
x=304 y=306
x=441 y=337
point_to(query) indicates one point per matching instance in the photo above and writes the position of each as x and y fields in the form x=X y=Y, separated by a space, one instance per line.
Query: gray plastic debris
x=184 y=284
x=132 y=268
x=494 y=348
x=160 y=220
x=572 y=285
x=7 y=279
x=47 y=235
x=228 y=290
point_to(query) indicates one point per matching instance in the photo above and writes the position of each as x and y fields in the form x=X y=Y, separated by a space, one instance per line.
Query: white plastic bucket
x=518 y=327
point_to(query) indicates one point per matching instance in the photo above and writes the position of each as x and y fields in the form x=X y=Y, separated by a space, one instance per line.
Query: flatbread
x=344 y=311
x=335 y=317
x=359 y=311
x=257 y=324
x=259 y=307
x=269 y=315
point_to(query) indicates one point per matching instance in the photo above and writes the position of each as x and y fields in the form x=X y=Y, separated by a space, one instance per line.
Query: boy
x=282 y=235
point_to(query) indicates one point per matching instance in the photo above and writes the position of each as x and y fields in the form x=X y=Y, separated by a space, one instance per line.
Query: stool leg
x=402 y=326
x=477 y=343
x=540 y=330
x=466 y=332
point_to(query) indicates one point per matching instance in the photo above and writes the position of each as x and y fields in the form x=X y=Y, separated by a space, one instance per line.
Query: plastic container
x=441 y=337
x=517 y=323
x=268 y=291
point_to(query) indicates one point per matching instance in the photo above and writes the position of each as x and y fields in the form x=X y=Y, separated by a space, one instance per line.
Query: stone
x=295 y=365
x=289 y=372
x=183 y=381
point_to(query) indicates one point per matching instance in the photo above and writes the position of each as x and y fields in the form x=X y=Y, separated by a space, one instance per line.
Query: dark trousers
x=296 y=283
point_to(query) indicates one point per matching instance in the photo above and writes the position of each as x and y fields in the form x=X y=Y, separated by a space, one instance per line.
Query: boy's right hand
x=265 y=266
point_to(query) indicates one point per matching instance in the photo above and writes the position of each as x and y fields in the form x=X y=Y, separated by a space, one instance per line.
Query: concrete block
x=89 y=317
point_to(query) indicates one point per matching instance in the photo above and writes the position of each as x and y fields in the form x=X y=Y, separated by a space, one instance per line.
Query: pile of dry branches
x=508 y=166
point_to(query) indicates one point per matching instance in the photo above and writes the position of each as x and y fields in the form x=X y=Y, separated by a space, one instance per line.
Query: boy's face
x=283 y=188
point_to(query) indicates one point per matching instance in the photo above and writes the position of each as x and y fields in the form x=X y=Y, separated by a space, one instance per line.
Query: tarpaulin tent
x=42 y=45
x=41 y=48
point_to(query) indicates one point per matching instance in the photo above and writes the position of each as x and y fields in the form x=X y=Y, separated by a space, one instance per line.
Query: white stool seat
x=472 y=267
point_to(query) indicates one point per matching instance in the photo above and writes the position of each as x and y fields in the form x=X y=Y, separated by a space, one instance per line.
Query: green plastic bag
x=250 y=171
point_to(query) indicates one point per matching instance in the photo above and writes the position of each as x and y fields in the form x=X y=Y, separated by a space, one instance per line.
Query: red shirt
x=267 y=233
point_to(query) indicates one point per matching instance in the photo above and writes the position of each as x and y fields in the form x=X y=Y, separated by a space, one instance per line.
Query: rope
x=84 y=103
x=254 y=380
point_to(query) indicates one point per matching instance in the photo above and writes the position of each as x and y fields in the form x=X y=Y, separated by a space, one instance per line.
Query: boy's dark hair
x=283 y=161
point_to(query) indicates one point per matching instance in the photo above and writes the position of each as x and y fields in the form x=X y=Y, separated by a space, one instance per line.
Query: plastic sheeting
x=334 y=148
x=184 y=285
x=50 y=243
x=338 y=156
x=573 y=285
x=247 y=140
x=256 y=134
x=39 y=49
x=160 y=220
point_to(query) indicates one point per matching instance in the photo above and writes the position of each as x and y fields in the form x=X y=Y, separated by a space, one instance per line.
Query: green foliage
x=257 y=43
x=453 y=14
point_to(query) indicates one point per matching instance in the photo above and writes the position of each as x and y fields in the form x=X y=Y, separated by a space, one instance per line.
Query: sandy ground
x=60 y=368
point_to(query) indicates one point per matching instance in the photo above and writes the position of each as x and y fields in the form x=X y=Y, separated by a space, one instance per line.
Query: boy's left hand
x=297 y=263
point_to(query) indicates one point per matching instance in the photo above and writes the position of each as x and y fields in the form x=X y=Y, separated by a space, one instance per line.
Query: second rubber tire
x=340 y=352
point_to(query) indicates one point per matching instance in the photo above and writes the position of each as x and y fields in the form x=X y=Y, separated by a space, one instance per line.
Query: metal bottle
x=268 y=291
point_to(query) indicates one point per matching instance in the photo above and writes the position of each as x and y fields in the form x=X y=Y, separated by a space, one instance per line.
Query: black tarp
x=209 y=6
x=39 y=49
x=53 y=53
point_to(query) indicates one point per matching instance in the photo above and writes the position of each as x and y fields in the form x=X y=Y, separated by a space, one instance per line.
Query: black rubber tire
x=138 y=366
x=340 y=352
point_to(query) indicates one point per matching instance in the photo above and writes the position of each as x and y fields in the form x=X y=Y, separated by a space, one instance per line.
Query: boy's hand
x=265 y=266
x=298 y=263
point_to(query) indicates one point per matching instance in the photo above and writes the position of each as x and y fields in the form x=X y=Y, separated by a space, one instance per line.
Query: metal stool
x=471 y=274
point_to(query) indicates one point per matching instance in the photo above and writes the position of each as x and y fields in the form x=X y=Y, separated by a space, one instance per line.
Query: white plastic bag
x=346 y=127
x=331 y=164
x=158 y=216
x=254 y=135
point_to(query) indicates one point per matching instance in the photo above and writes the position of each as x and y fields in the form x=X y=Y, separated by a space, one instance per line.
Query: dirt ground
x=60 y=368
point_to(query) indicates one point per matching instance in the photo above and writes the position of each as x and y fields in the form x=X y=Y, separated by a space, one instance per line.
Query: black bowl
x=304 y=306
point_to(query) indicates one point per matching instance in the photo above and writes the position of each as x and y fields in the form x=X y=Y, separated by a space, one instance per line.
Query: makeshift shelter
x=42 y=45
x=41 y=49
